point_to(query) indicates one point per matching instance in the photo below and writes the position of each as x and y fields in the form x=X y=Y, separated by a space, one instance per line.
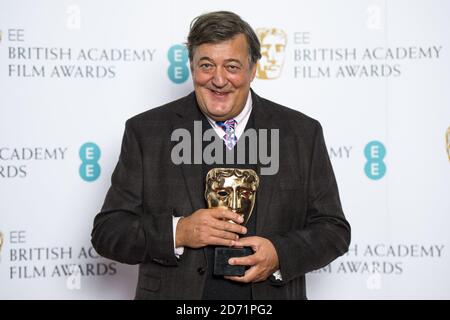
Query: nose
x=271 y=54
x=235 y=201
x=219 y=79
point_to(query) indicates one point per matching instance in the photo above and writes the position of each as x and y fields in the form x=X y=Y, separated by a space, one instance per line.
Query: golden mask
x=232 y=188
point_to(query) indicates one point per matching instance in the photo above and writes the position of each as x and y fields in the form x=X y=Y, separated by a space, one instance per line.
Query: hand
x=263 y=262
x=209 y=227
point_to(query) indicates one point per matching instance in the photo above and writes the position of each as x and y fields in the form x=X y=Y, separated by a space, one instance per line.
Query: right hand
x=215 y=226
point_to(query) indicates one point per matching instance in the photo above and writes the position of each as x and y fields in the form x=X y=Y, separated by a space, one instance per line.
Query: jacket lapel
x=264 y=120
x=187 y=112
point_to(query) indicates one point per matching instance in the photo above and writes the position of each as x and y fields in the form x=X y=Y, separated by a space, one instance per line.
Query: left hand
x=263 y=262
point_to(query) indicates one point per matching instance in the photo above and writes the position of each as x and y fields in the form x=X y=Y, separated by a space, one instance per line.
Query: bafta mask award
x=234 y=189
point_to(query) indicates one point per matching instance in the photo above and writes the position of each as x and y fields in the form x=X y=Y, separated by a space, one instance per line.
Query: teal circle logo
x=178 y=70
x=375 y=168
x=89 y=168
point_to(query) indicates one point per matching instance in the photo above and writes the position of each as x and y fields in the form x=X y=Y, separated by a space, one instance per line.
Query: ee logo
x=89 y=168
x=178 y=70
x=375 y=152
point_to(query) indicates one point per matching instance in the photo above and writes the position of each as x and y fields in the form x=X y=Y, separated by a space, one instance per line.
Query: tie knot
x=230 y=136
x=227 y=125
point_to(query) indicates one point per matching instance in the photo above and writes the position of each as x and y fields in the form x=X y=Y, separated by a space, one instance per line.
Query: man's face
x=272 y=56
x=234 y=190
x=222 y=77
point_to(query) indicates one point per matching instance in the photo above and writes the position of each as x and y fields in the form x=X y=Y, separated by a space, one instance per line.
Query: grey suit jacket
x=299 y=209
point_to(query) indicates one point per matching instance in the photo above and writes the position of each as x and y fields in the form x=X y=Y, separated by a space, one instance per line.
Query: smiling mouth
x=218 y=93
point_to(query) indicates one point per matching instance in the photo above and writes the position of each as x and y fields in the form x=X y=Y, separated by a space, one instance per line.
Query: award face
x=232 y=188
x=273 y=46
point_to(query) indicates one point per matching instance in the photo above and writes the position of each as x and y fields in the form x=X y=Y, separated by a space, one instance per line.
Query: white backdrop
x=376 y=74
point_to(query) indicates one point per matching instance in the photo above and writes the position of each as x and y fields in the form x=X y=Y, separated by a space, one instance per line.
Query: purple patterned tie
x=229 y=136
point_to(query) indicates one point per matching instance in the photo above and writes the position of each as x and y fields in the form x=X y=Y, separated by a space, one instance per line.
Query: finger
x=224 y=234
x=228 y=226
x=243 y=261
x=248 y=242
x=212 y=240
x=237 y=279
x=226 y=214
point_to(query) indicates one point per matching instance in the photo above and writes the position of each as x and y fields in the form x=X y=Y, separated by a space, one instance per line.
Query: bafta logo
x=447 y=139
x=273 y=45
x=234 y=189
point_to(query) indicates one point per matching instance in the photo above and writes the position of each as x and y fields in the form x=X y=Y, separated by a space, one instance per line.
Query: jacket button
x=201 y=270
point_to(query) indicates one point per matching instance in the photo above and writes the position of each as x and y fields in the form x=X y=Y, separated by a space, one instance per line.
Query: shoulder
x=287 y=117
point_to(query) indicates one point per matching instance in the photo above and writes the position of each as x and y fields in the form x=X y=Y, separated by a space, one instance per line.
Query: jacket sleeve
x=123 y=231
x=326 y=233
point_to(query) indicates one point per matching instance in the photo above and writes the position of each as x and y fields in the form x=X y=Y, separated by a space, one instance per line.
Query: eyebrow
x=226 y=60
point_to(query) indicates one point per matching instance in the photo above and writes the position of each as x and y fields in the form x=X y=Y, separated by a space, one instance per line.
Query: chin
x=218 y=111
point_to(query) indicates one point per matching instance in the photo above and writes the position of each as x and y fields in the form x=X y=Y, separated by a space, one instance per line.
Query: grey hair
x=218 y=26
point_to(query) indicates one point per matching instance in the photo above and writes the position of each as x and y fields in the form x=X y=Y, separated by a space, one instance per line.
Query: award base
x=221 y=257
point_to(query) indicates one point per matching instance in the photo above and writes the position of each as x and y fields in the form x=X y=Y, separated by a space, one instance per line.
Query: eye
x=232 y=68
x=245 y=193
x=206 y=66
x=222 y=193
x=265 y=48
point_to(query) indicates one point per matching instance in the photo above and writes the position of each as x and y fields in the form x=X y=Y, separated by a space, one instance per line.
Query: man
x=154 y=213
